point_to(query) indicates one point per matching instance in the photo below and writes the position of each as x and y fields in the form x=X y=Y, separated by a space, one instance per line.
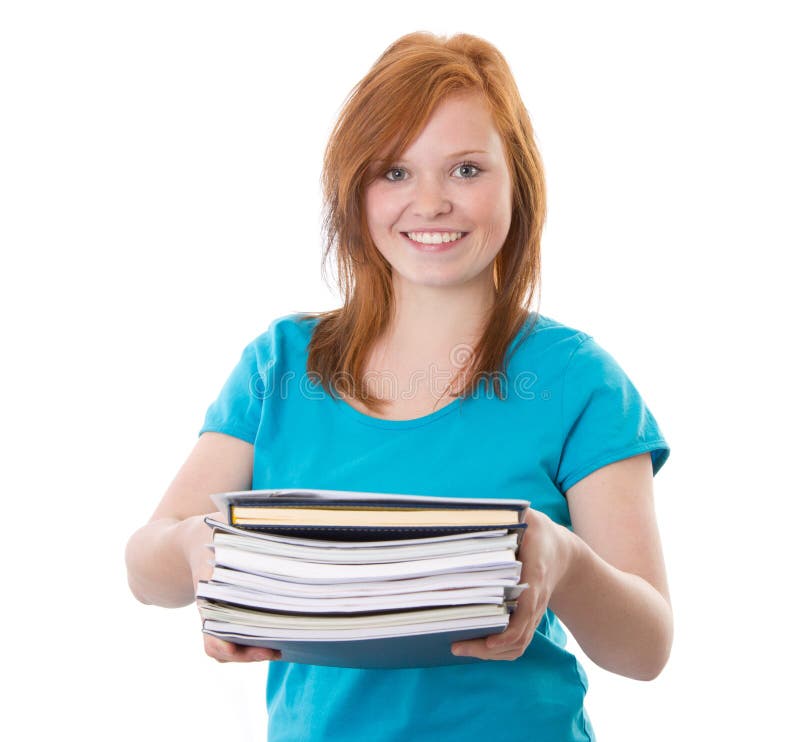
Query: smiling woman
x=457 y=213
x=453 y=151
x=435 y=203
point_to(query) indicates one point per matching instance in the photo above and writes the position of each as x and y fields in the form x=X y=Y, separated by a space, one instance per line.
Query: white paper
x=320 y=573
x=360 y=604
x=397 y=551
x=254 y=618
x=482 y=578
x=232 y=631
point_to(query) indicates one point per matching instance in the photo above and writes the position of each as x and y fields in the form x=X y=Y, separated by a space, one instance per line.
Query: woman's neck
x=434 y=324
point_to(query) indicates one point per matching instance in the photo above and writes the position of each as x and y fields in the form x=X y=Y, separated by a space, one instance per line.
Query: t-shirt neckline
x=415 y=422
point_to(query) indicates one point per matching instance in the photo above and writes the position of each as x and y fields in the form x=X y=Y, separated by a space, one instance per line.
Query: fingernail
x=457 y=651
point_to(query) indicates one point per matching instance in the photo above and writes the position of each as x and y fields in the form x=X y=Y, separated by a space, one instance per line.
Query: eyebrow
x=458 y=154
x=469 y=152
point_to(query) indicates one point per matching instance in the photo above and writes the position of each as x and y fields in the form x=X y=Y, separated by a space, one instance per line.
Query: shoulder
x=286 y=336
x=549 y=331
x=546 y=341
x=566 y=355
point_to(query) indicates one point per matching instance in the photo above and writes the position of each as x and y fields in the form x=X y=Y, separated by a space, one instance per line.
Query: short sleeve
x=237 y=409
x=604 y=418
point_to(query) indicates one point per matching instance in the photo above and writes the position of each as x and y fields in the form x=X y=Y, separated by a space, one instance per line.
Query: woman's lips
x=441 y=247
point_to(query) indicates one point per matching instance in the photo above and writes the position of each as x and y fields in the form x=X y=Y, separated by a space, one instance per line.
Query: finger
x=524 y=609
x=519 y=626
x=477 y=648
x=516 y=628
x=225 y=651
x=497 y=644
x=483 y=653
x=469 y=648
x=216 y=648
x=220 y=650
x=520 y=631
x=511 y=635
x=522 y=635
x=258 y=654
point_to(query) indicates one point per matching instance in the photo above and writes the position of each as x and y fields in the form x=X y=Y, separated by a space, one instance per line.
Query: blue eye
x=469 y=165
x=460 y=167
x=393 y=169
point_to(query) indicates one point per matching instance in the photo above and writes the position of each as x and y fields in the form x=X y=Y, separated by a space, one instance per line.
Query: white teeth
x=434 y=238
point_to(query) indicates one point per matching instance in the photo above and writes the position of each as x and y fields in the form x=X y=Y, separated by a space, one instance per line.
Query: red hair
x=382 y=116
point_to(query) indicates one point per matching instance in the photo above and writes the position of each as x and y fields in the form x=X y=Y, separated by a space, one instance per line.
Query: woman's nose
x=430 y=197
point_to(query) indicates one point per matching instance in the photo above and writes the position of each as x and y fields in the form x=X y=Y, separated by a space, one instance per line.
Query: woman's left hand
x=545 y=556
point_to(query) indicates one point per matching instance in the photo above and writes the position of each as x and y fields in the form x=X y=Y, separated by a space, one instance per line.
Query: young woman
x=435 y=205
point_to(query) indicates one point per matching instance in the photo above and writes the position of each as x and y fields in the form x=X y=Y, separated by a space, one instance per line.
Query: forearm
x=620 y=621
x=157 y=558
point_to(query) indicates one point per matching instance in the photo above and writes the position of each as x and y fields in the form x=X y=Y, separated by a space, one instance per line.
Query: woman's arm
x=164 y=555
x=158 y=561
x=614 y=596
x=168 y=555
x=606 y=581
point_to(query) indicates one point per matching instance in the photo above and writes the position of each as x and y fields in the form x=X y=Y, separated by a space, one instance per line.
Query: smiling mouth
x=433 y=246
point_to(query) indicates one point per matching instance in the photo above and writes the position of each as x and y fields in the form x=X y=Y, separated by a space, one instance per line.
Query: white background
x=160 y=204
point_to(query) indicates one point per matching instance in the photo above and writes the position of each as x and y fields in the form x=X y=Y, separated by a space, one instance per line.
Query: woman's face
x=453 y=178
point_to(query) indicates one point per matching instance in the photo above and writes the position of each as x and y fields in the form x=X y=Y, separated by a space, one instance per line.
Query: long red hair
x=382 y=116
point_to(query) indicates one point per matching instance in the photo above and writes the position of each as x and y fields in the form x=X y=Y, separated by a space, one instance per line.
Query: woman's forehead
x=461 y=108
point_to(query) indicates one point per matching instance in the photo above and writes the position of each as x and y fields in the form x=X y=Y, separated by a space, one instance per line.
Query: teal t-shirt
x=569 y=409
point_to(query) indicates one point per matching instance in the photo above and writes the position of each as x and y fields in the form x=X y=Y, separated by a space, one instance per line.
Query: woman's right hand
x=223 y=651
x=196 y=537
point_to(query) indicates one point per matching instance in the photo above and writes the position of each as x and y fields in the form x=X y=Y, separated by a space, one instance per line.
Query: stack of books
x=358 y=579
